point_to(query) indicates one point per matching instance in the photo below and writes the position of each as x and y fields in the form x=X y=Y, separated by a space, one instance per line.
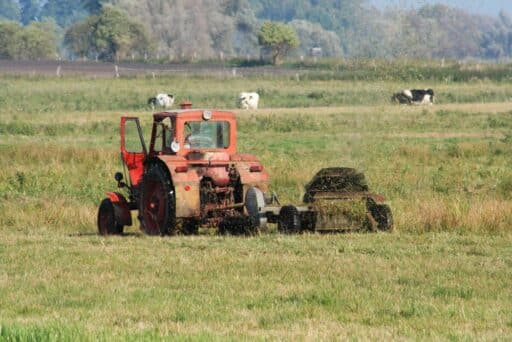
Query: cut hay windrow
x=347 y=215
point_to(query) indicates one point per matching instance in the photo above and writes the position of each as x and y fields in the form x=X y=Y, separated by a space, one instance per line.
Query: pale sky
x=486 y=7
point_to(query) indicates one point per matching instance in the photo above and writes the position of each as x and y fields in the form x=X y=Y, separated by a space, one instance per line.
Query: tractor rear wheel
x=107 y=223
x=157 y=205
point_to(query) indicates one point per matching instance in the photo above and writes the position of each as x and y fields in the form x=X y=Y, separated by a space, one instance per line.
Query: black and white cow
x=161 y=100
x=414 y=96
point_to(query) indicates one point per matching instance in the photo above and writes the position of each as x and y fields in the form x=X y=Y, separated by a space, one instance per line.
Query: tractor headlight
x=207 y=115
x=175 y=146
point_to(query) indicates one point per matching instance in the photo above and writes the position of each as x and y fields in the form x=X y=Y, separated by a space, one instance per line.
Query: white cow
x=248 y=100
x=162 y=100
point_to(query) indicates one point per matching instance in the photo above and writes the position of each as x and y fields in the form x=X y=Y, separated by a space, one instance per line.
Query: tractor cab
x=186 y=134
x=190 y=133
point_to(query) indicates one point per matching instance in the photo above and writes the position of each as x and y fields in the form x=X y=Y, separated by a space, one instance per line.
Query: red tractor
x=192 y=176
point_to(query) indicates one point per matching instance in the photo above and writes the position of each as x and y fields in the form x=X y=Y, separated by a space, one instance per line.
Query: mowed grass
x=378 y=286
x=444 y=272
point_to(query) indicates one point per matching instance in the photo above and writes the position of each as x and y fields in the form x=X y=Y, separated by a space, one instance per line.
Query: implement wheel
x=157 y=205
x=107 y=223
x=383 y=216
x=381 y=213
x=289 y=220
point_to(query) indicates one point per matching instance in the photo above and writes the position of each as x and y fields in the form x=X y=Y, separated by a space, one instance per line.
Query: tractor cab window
x=164 y=135
x=207 y=134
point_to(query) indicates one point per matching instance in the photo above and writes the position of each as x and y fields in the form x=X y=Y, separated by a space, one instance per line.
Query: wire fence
x=102 y=69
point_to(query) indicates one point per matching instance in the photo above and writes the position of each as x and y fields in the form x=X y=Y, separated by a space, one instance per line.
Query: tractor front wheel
x=157 y=209
x=107 y=223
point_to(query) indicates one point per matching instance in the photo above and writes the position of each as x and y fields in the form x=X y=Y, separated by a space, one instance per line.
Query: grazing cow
x=414 y=96
x=161 y=100
x=248 y=100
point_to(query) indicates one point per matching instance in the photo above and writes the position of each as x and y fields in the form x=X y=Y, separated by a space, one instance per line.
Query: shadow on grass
x=81 y=234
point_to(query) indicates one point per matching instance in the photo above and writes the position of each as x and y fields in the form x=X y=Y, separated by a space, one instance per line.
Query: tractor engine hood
x=216 y=166
x=213 y=165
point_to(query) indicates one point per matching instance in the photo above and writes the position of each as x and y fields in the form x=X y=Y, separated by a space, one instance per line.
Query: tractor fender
x=121 y=208
x=254 y=178
x=251 y=171
x=250 y=179
x=186 y=186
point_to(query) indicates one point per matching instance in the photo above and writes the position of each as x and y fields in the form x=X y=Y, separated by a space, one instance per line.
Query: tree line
x=212 y=29
x=36 y=40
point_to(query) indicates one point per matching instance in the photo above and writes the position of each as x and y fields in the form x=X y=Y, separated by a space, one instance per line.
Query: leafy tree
x=351 y=20
x=313 y=35
x=93 y=6
x=37 y=40
x=78 y=38
x=284 y=10
x=200 y=28
x=10 y=10
x=8 y=32
x=279 y=38
x=64 y=12
x=108 y=36
x=497 y=41
x=246 y=25
x=457 y=32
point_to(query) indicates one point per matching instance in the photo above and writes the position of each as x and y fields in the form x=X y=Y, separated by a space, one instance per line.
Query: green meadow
x=446 y=171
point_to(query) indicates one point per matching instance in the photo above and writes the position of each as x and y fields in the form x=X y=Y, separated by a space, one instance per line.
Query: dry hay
x=343 y=214
x=336 y=179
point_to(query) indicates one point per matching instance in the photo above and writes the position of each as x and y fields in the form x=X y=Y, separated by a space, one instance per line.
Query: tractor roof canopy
x=196 y=114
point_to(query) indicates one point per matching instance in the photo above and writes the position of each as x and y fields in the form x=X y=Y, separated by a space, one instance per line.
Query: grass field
x=444 y=273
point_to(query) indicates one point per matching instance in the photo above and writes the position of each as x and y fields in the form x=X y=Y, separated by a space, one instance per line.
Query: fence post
x=58 y=71
x=116 y=68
